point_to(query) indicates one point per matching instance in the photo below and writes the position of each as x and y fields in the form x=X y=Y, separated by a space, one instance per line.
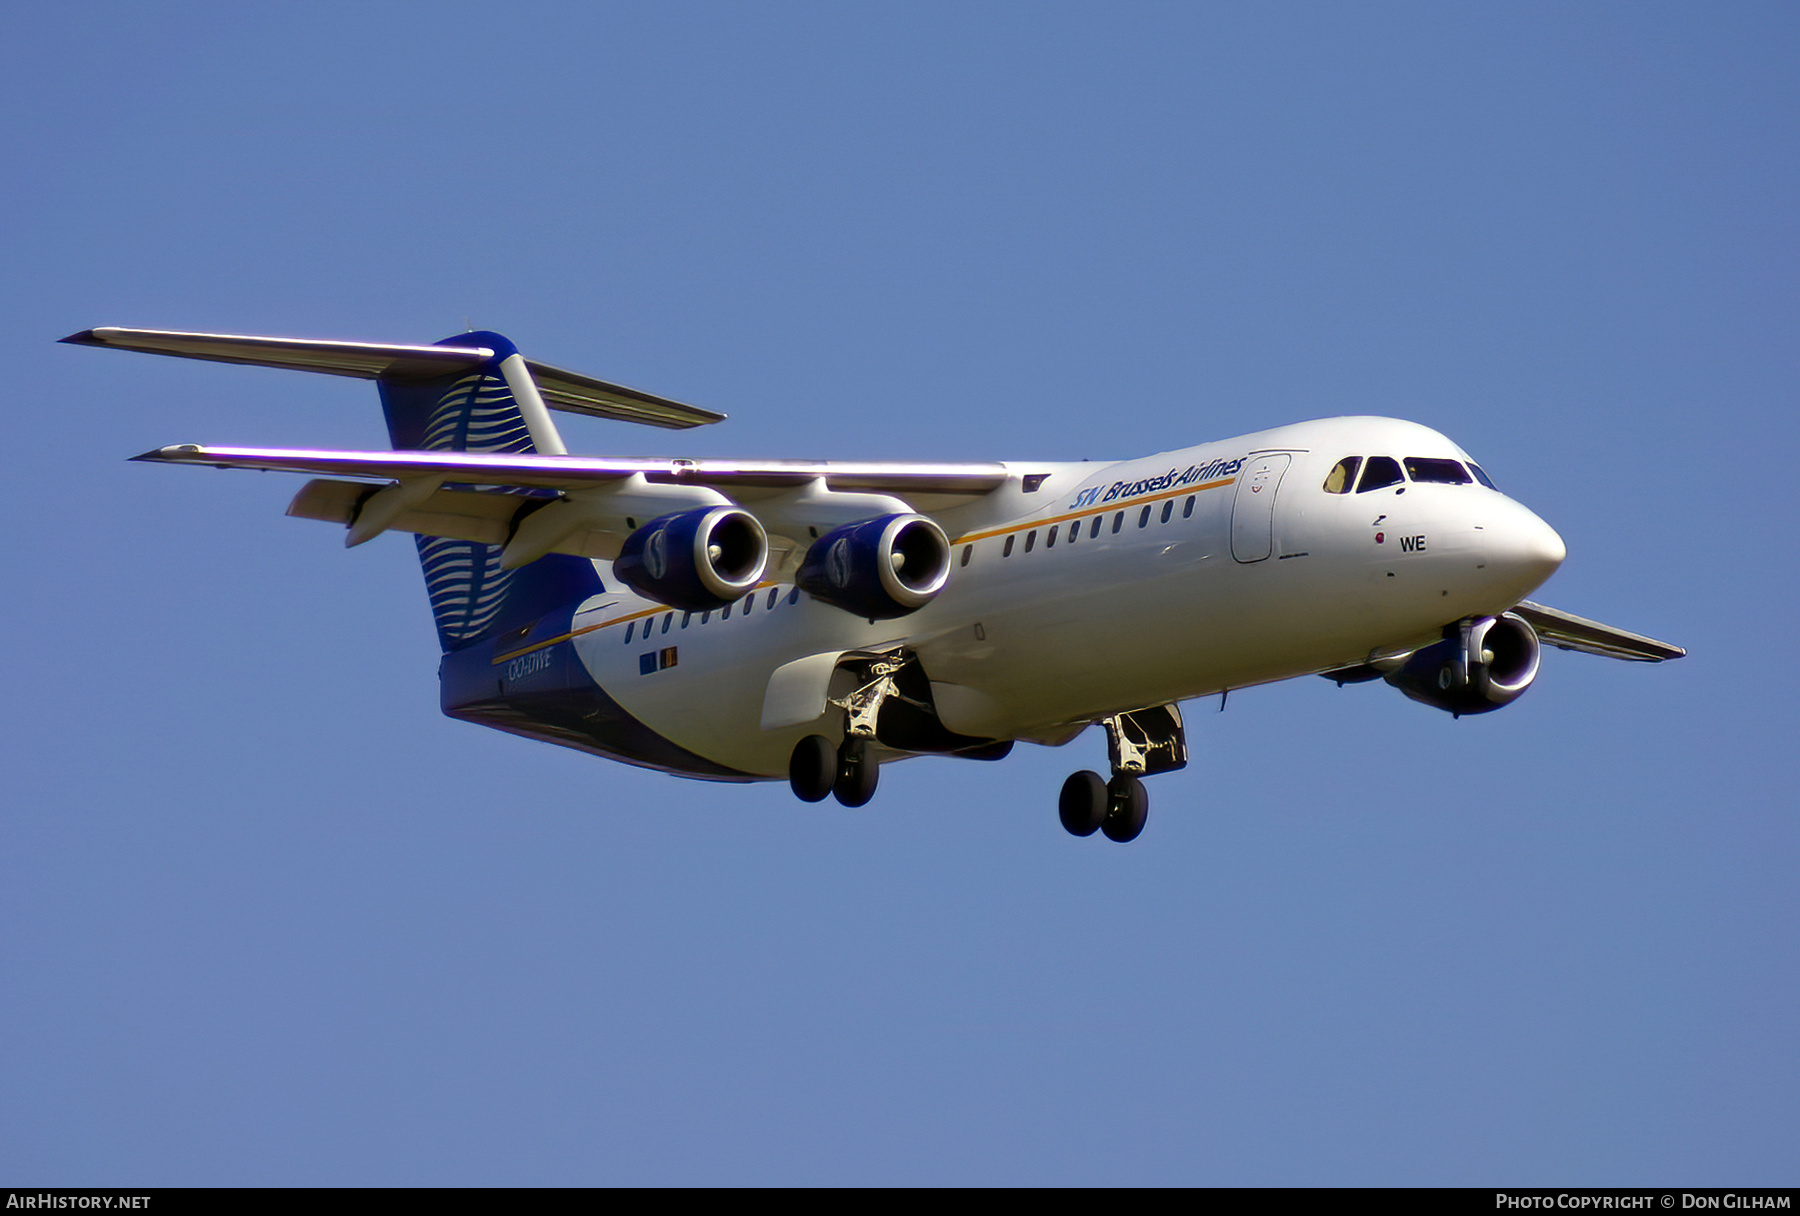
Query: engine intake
x=695 y=560
x=1482 y=665
x=878 y=568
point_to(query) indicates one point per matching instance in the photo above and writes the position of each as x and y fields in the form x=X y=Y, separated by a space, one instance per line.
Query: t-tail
x=471 y=392
x=492 y=407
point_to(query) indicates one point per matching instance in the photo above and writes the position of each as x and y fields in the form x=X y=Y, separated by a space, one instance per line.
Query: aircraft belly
x=537 y=687
x=703 y=687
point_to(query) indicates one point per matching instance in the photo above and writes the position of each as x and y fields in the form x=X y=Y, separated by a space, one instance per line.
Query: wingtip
x=86 y=337
x=175 y=451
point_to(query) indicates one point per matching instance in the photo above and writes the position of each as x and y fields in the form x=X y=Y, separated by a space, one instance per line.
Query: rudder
x=494 y=407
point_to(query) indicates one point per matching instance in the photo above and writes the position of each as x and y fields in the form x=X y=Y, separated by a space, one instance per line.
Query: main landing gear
x=1138 y=744
x=849 y=769
x=820 y=768
x=892 y=696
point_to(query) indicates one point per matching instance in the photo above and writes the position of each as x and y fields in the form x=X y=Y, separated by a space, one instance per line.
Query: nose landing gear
x=1127 y=809
x=1090 y=804
x=1139 y=744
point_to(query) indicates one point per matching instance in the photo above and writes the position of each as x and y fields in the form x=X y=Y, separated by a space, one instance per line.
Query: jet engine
x=696 y=560
x=878 y=568
x=1480 y=665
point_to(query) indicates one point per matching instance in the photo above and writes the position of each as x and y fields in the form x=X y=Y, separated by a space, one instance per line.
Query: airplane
x=761 y=620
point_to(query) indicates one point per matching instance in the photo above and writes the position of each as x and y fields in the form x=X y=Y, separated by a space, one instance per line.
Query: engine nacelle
x=696 y=560
x=878 y=568
x=1484 y=664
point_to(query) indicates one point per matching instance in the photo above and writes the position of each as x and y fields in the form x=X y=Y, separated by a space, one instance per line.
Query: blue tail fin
x=482 y=411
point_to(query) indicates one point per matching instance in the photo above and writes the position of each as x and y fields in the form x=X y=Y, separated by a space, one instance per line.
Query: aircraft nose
x=1526 y=549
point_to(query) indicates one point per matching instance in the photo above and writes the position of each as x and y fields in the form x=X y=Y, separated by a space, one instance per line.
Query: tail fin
x=473 y=393
x=492 y=407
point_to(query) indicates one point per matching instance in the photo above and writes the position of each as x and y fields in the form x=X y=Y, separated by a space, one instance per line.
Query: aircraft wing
x=561 y=390
x=1570 y=632
x=595 y=502
x=574 y=473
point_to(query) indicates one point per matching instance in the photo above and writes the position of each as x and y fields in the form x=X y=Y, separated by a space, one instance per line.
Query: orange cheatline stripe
x=1121 y=505
x=618 y=620
x=1110 y=507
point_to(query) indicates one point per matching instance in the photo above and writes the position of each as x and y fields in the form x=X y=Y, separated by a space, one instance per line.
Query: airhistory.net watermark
x=49 y=1201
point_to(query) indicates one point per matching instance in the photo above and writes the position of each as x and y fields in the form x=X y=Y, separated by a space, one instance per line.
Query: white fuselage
x=1109 y=588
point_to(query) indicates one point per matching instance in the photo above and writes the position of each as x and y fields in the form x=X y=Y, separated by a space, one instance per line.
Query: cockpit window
x=1342 y=475
x=1380 y=473
x=1481 y=476
x=1428 y=468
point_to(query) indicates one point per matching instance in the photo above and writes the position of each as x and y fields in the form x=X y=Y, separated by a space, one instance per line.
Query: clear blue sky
x=267 y=917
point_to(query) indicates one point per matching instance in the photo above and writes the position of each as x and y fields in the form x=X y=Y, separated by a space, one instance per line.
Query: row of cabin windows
x=1073 y=535
x=1094 y=526
x=687 y=618
x=1380 y=472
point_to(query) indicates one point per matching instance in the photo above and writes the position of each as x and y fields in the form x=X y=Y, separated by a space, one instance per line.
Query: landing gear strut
x=1139 y=744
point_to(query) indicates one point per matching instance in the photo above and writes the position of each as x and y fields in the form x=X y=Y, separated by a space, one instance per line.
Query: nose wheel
x=1139 y=744
x=1083 y=803
x=1127 y=809
x=1119 y=807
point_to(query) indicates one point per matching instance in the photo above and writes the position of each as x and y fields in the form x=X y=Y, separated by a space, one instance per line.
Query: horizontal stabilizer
x=1570 y=632
x=561 y=390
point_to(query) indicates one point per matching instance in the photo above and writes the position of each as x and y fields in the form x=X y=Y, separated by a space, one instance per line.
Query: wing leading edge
x=586 y=506
x=1567 y=631
x=572 y=473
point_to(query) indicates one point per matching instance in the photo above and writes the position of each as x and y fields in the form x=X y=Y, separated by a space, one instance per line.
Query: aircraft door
x=1253 y=512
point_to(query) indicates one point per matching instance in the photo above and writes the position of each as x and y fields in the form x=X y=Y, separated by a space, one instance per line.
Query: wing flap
x=1567 y=631
x=456 y=514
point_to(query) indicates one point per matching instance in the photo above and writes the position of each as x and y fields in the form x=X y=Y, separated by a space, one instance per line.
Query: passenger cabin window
x=1050 y=538
x=1380 y=473
x=1430 y=468
x=1095 y=530
x=1168 y=509
x=1144 y=516
x=1342 y=475
x=1188 y=509
x=1030 y=539
x=1006 y=551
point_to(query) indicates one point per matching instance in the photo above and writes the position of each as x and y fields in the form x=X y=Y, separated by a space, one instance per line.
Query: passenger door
x=1253 y=511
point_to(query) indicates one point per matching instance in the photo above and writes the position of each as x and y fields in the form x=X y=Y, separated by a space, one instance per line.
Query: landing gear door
x=1253 y=513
